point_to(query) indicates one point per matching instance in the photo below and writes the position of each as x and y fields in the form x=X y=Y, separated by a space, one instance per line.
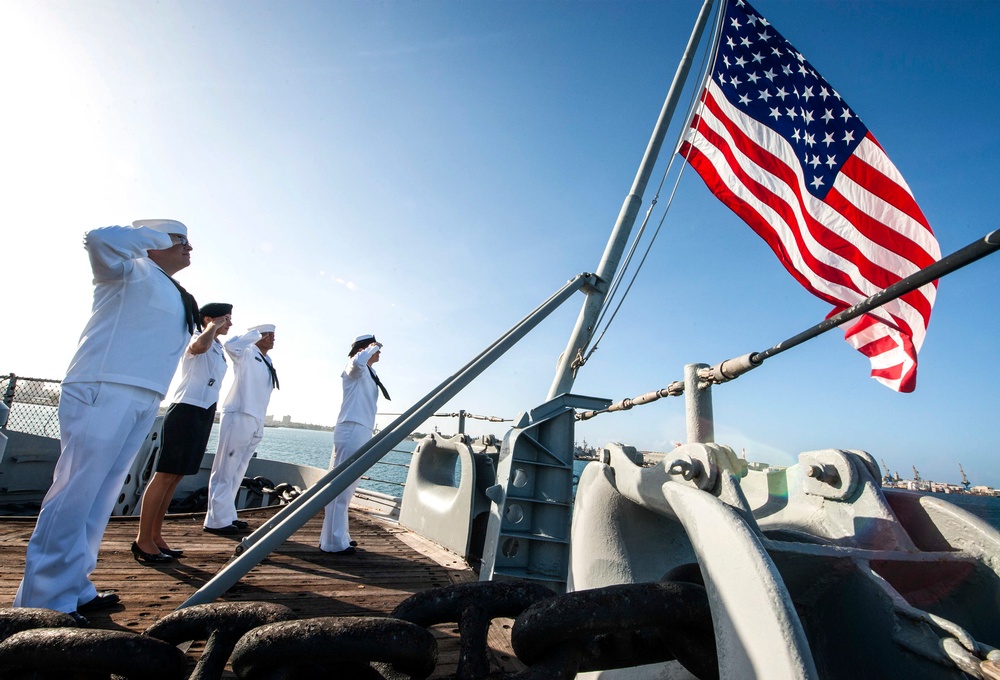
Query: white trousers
x=347 y=439
x=239 y=434
x=102 y=426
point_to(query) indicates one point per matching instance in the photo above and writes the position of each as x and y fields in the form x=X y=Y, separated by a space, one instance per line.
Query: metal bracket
x=829 y=473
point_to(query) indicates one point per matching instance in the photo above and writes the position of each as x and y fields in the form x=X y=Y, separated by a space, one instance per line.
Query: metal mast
x=584 y=330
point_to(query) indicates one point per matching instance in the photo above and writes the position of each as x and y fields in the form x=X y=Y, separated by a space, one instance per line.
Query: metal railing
x=376 y=477
x=33 y=404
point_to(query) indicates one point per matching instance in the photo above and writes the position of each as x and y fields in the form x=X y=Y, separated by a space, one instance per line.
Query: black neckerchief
x=190 y=306
x=379 y=383
x=270 y=369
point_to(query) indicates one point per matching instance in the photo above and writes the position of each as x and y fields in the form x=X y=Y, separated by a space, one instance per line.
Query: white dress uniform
x=201 y=376
x=242 y=425
x=355 y=425
x=187 y=425
x=122 y=368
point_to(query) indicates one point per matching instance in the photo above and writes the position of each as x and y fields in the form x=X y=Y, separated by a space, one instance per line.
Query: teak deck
x=391 y=564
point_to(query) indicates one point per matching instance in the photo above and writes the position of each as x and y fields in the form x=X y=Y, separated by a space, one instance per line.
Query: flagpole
x=732 y=368
x=587 y=321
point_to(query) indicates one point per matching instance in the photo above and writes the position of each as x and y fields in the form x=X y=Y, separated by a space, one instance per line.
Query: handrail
x=287 y=521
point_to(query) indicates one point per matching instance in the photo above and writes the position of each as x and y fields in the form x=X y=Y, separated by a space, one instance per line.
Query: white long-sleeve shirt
x=251 y=390
x=201 y=376
x=137 y=329
x=360 y=391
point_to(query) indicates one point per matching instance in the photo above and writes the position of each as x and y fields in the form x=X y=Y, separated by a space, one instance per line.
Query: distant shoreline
x=301 y=426
x=415 y=436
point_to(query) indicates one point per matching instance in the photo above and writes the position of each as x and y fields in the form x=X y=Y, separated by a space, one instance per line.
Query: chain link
x=33 y=403
x=555 y=636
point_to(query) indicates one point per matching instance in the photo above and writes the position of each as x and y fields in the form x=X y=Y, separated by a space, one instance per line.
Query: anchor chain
x=621 y=626
x=196 y=501
x=221 y=625
x=286 y=493
x=46 y=653
x=28 y=618
x=262 y=486
x=555 y=636
x=956 y=645
x=341 y=647
x=257 y=485
x=473 y=606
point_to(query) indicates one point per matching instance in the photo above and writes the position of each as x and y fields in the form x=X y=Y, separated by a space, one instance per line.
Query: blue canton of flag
x=762 y=74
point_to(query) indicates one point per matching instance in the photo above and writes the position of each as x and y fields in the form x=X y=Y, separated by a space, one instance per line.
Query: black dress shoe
x=242 y=526
x=350 y=550
x=171 y=552
x=81 y=620
x=150 y=558
x=354 y=544
x=222 y=531
x=103 y=600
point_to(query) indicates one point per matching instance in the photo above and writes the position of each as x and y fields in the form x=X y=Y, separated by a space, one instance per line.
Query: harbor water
x=313 y=447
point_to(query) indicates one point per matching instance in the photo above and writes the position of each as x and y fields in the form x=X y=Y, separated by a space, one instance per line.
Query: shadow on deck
x=390 y=565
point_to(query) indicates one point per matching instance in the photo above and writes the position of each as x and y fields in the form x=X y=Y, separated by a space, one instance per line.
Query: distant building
x=286 y=420
x=268 y=420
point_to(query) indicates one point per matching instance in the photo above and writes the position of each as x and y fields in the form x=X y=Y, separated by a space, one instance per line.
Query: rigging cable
x=730 y=369
x=586 y=353
x=472 y=416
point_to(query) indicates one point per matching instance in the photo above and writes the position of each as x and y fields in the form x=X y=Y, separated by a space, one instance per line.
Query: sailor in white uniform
x=187 y=426
x=355 y=426
x=139 y=326
x=242 y=425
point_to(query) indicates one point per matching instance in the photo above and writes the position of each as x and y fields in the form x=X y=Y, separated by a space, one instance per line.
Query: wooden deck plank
x=391 y=564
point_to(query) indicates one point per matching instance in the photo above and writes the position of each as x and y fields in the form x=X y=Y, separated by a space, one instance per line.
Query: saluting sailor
x=140 y=323
x=187 y=426
x=242 y=426
x=355 y=426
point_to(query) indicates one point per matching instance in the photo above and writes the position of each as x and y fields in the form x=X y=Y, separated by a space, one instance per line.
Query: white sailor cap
x=163 y=226
x=263 y=328
x=361 y=342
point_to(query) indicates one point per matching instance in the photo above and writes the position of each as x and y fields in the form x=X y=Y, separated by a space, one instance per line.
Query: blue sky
x=431 y=171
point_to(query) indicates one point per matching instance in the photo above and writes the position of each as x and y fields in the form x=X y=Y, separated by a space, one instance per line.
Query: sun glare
x=56 y=124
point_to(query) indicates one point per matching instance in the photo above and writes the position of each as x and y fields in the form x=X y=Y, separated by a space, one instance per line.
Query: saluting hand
x=219 y=325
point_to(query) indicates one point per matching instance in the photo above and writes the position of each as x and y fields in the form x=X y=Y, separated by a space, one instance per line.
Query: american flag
x=779 y=146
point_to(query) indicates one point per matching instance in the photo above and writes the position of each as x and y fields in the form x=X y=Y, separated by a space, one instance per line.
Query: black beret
x=215 y=309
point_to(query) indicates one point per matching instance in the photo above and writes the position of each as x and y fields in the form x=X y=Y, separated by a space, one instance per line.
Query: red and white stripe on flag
x=775 y=143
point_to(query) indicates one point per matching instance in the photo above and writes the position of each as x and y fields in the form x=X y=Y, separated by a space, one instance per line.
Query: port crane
x=965 y=480
x=887 y=477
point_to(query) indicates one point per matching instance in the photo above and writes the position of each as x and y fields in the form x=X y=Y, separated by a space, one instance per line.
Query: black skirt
x=186 y=430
